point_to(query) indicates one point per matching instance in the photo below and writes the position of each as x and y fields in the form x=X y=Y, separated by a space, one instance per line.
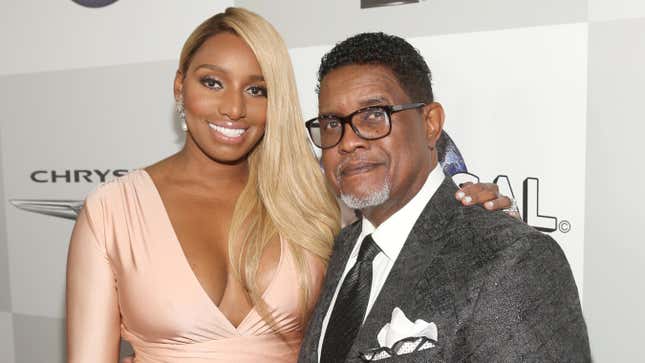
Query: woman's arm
x=93 y=319
x=486 y=194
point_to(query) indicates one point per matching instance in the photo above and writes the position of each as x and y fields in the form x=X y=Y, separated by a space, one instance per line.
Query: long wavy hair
x=285 y=196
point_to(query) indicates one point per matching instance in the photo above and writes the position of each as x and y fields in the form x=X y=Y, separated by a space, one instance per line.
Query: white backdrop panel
x=603 y=10
x=516 y=105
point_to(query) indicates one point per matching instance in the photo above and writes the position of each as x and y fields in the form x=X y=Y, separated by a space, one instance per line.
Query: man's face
x=378 y=176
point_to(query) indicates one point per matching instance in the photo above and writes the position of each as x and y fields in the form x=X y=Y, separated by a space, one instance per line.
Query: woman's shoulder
x=112 y=192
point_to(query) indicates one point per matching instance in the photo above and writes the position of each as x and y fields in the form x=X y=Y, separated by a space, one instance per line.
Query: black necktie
x=347 y=316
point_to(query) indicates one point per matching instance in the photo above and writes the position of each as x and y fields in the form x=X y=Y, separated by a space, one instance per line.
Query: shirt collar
x=391 y=235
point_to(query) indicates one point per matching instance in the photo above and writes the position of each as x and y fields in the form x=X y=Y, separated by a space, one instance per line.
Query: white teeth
x=226 y=131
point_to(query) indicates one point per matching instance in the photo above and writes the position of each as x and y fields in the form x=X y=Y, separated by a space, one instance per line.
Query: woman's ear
x=178 y=85
x=433 y=118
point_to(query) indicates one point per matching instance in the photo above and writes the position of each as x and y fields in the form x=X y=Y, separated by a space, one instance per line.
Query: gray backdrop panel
x=6 y=337
x=39 y=339
x=5 y=287
x=614 y=248
x=118 y=117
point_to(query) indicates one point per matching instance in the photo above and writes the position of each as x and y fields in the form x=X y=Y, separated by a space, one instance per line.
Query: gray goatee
x=371 y=199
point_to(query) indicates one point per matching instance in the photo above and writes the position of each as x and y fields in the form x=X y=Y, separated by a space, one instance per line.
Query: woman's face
x=225 y=98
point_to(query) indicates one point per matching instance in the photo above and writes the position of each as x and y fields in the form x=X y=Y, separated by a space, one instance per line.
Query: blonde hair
x=286 y=195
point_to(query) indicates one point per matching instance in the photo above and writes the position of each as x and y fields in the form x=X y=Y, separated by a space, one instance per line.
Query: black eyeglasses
x=369 y=123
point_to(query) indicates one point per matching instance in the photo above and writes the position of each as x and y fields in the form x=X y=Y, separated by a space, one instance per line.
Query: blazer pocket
x=427 y=355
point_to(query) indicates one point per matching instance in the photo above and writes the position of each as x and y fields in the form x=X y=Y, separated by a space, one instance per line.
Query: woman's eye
x=211 y=83
x=257 y=91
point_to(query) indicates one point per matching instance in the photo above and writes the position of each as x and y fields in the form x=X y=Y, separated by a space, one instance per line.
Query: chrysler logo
x=365 y=4
x=64 y=208
x=67 y=209
x=95 y=3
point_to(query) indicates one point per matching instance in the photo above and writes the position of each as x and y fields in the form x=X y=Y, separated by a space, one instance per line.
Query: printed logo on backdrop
x=454 y=165
x=452 y=162
x=95 y=3
x=366 y=4
x=76 y=175
x=67 y=209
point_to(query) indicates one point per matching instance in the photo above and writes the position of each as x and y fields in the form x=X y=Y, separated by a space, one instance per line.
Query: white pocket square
x=401 y=336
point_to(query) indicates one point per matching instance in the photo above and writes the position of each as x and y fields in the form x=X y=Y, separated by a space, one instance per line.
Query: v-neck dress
x=126 y=255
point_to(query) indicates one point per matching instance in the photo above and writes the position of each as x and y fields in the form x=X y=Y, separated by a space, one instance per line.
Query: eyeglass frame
x=389 y=110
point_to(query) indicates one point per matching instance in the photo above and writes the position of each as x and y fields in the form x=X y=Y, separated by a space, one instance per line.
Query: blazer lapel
x=421 y=247
x=340 y=254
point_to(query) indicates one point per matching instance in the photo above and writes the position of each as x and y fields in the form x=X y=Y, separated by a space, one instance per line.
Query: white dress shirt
x=390 y=237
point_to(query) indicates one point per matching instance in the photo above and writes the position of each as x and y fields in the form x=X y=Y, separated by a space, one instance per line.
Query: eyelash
x=206 y=80
x=215 y=84
x=262 y=91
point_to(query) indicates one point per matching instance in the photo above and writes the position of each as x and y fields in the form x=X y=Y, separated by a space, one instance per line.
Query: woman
x=217 y=253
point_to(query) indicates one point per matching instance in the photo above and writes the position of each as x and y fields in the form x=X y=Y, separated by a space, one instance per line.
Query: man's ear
x=178 y=85
x=433 y=118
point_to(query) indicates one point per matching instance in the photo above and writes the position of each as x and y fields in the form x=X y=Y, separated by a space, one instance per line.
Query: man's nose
x=350 y=141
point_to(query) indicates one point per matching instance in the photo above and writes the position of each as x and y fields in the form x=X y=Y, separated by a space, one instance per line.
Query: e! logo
x=95 y=3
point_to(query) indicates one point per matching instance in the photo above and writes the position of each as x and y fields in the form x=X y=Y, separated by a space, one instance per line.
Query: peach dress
x=135 y=278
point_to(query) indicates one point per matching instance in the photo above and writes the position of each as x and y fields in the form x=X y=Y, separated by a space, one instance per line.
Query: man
x=479 y=286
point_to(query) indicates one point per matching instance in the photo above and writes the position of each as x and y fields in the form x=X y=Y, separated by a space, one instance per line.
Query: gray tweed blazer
x=497 y=289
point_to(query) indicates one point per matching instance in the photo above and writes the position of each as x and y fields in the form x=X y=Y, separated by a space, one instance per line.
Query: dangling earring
x=181 y=112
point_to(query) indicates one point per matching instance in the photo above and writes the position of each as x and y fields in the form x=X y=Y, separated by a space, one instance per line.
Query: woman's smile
x=228 y=134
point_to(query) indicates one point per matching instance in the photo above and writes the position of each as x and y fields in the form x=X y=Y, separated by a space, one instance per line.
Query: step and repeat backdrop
x=86 y=96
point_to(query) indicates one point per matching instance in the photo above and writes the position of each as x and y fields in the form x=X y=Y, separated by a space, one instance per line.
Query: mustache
x=351 y=162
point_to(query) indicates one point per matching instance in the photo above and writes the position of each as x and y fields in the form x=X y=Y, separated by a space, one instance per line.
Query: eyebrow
x=371 y=101
x=378 y=100
x=210 y=66
x=257 y=78
x=253 y=78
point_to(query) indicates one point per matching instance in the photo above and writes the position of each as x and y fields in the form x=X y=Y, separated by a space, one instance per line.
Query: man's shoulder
x=491 y=235
x=513 y=285
x=496 y=223
x=497 y=226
